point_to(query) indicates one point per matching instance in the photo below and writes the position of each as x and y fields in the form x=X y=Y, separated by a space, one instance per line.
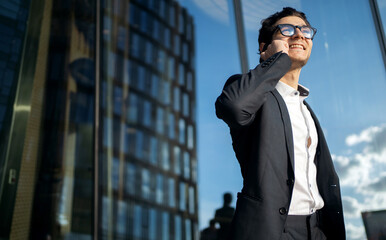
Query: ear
x=261 y=46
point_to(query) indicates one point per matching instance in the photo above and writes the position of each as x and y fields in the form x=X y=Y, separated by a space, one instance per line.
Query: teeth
x=296 y=46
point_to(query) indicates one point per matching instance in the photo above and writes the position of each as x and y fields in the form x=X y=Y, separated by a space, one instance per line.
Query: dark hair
x=268 y=25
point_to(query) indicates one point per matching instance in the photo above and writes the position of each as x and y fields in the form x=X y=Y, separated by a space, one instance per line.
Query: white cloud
x=354 y=170
x=363 y=170
x=351 y=207
x=360 y=169
x=366 y=135
x=355 y=232
x=378 y=185
x=375 y=201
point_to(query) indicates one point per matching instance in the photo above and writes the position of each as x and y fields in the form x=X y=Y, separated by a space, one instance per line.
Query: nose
x=298 y=33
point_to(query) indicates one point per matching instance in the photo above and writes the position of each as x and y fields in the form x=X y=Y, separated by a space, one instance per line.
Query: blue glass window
x=165 y=226
x=131 y=179
x=177 y=45
x=188 y=229
x=144 y=19
x=182 y=202
x=156 y=30
x=177 y=159
x=106 y=203
x=186 y=165
x=152 y=224
x=181 y=24
x=190 y=137
x=134 y=16
x=161 y=60
x=194 y=169
x=121 y=219
x=166 y=92
x=176 y=99
x=147 y=109
x=181 y=74
x=107 y=131
x=115 y=175
x=162 y=7
x=171 y=126
x=111 y=71
x=192 y=201
x=118 y=100
x=153 y=150
x=171 y=189
x=139 y=144
x=135 y=45
x=177 y=227
x=137 y=221
x=160 y=189
x=181 y=125
x=185 y=104
x=132 y=113
x=126 y=75
x=140 y=83
x=189 y=81
x=189 y=30
x=160 y=120
x=167 y=37
x=154 y=86
x=185 y=52
x=146 y=147
x=145 y=175
x=106 y=28
x=172 y=19
x=165 y=156
x=121 y=40
x=149 y=53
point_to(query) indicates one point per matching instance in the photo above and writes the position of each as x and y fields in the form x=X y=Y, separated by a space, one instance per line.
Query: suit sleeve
x=243 y=95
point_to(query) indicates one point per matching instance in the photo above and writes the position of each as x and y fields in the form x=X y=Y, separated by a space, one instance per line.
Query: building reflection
x=109 y=144
x=148 y=116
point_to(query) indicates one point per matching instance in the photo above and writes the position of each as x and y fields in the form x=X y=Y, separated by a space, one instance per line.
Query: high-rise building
x=101 y=120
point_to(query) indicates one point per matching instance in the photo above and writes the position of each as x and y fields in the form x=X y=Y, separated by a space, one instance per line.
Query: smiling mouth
x=296 y=46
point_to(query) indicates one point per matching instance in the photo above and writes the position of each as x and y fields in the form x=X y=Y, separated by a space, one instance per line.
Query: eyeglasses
x=289 y=30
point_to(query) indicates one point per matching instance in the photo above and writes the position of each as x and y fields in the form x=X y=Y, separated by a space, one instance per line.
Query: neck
x=291 y=78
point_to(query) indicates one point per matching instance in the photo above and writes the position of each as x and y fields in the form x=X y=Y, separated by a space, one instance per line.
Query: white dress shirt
x=305 y=197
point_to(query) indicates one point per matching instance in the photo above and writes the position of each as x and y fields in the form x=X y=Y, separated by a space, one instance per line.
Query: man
x=211 y=232
x=224 y=216
x=291 y=189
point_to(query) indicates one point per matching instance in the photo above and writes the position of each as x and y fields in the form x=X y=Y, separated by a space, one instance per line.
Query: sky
x=347 y=81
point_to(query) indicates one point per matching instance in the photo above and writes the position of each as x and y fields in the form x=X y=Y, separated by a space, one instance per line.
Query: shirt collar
x=286 y=90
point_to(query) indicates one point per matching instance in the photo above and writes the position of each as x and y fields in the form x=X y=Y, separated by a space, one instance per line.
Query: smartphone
x=265 y=47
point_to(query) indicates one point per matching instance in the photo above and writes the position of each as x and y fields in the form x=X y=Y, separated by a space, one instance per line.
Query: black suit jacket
x=262 y=140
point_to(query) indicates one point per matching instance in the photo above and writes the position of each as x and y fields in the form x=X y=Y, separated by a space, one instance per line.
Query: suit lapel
x=287 y=125
x=318 y=130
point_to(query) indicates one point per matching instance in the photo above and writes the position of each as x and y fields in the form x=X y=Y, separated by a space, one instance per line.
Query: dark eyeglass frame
x=280 y=26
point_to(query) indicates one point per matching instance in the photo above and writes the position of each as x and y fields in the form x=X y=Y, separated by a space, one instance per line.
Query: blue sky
x=347 y=81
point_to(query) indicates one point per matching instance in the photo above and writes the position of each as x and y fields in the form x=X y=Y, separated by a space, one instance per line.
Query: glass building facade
x=99 y=132
x=97 y=120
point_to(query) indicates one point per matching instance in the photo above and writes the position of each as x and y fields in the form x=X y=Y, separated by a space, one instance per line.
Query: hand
x=274 y=47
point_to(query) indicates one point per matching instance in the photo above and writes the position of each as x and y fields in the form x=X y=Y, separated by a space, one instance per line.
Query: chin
x=298 y=61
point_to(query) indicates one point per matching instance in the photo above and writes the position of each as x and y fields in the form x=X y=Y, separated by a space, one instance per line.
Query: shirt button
x=290 y=182
x=282 y=211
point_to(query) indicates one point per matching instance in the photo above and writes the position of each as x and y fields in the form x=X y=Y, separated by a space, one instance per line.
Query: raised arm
x=244 y=94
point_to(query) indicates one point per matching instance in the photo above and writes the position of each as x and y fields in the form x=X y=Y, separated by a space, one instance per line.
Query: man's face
x=299 y=46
